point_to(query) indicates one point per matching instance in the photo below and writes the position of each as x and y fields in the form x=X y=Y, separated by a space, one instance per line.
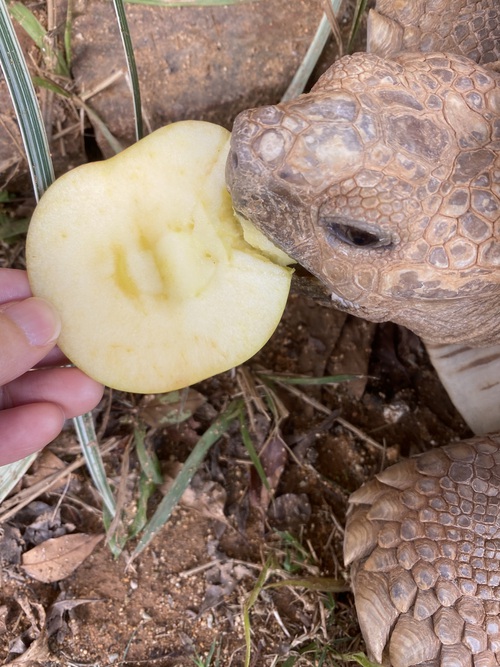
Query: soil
x=188 y=589
x=186 y=594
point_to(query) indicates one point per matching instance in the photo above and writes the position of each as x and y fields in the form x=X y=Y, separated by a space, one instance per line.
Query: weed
x=207 y=660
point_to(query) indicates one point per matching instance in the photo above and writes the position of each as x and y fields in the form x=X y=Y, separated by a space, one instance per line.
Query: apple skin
x=144 y=260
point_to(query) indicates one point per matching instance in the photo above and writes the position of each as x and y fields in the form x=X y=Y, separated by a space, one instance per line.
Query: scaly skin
x=425 y=540
x=384 y=181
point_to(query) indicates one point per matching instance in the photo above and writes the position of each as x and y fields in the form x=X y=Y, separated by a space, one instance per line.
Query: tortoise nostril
x=234 y=159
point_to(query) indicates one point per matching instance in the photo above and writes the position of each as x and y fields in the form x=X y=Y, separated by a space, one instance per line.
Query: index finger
x=14 y=285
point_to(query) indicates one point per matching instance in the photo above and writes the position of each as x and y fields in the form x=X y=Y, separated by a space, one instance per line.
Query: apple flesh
x=258 y=240
x=148 y=267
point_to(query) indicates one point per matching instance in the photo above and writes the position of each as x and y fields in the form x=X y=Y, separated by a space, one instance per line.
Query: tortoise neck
x=465 y=27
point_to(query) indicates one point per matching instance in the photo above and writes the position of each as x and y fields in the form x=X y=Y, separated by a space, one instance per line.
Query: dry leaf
x=42 y=522
x=10 y=544
x=223 y=579
x=173 y=408
x=57 y=558
x=208 y=499
x=46 y=464
x=290 y=511
x=4 y=610
x=205 y=496
x=273 y=457
x=37 y=652
x=58 y=609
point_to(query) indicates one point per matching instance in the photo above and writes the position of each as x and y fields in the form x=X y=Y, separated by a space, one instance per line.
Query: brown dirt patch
x=188 y=589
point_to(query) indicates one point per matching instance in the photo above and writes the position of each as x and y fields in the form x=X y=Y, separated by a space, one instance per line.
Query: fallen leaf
x=17 y=645
x=35 y=654
x=46 y=465
x=10 y=544
x=31 y=644
x=222 y=578
x=4 y=610
x=43 y=522
x=273 y=457
x=208 y=499
x=290 y=511
x=58 y=609
x=205 y=496
x=57 y=558
x=172 y=408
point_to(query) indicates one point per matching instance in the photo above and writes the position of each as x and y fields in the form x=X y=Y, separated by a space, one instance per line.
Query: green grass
x=54 y=58
x=11 y=228
x=309 y=648
x=212 y=659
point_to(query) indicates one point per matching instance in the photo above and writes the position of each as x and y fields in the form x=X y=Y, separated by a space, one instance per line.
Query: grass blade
x=147 y=459
x=252 y=599
x=321 y=584
x=68 y=54
x=11 y=473
x=32 y=26
x=361 y=6
x=181 y=482
x=37 y=150
x=132 y=67
x=25 y=104
x=307 y=380
x=252 y=453
x=190 y=3
x=303 y=73
x=87 y=437
x=360 y=658
x=113 y=142
x=146 y=490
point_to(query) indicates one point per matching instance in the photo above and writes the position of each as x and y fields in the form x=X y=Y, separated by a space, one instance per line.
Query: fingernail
x=37 y=318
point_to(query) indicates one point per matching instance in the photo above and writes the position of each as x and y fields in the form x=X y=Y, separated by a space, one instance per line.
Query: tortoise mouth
x=247 y=189
x=306 y=284
x=232 y=164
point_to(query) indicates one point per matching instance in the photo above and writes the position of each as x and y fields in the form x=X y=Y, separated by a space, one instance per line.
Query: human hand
x=34 y=403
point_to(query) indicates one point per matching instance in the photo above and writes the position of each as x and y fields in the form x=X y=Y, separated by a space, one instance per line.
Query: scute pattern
x=428 y=25
x=407 y=149
x=384 y=182
x=433 y=557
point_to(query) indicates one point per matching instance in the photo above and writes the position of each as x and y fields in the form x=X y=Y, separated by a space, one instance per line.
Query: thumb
x=28 y=330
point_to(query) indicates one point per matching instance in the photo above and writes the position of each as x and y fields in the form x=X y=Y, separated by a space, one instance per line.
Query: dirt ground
x=189 y=588
x=182 y=601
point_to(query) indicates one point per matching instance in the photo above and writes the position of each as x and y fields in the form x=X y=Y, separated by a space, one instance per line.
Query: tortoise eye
x=354 y=233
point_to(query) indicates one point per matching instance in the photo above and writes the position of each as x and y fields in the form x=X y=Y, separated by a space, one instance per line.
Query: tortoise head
x=384 y=182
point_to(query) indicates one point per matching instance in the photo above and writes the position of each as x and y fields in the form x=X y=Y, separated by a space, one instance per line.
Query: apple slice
x=146 y=263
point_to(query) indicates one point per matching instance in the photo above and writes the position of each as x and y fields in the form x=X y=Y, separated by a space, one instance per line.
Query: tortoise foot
x=423 y=541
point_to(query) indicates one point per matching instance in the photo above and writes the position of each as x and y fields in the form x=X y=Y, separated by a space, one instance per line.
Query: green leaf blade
x=26 y=105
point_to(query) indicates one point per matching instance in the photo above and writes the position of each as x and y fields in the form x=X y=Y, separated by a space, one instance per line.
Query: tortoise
x=384 y=183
